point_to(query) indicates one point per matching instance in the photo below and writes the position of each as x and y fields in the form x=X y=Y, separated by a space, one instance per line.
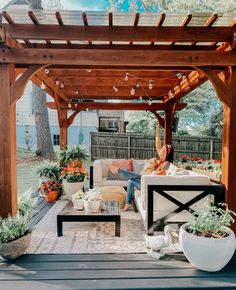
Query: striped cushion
x=116 y=176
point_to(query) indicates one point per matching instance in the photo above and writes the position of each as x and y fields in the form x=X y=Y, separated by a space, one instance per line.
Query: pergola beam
x=115 y=106
x=115 y=58
x=119 y=33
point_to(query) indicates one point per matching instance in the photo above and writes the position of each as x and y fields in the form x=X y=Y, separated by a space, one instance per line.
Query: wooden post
x=229 y=145
x=8 y=184
x=168 y=127
x=63 y=128
x=211 y=148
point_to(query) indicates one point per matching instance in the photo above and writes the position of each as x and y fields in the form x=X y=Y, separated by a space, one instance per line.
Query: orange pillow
x=159 y=172
x=123 y=164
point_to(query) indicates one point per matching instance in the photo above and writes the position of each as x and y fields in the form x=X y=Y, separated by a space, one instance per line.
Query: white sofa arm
x=97 y=171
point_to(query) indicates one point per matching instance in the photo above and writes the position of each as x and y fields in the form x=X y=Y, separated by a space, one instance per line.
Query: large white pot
x=207 y=254
x=16 y=248
x=71 y=188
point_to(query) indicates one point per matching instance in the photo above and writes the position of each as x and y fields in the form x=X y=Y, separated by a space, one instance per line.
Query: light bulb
x=46 y=71
x=69 y=105
x=89 y=70
x=87 y=109
x=140 y=98
x=170 y=94
x=184 y=78
x=57 y=82
x=62 y=85
x=138 y=84
x=77 y=92
x=132 y=90
x=43 y=86
x=149 y=102
x=150 y=85
x=115 y=89
x=179 y=75
x=76 y=105
x=126 y=77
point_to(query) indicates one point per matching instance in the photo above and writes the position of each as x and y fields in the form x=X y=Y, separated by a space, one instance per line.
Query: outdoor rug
x=90 y=237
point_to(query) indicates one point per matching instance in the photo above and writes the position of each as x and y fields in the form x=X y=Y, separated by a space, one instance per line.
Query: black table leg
x=59 y=227
x=117 y=227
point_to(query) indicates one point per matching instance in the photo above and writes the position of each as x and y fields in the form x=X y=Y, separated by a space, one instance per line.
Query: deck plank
x=110 y=271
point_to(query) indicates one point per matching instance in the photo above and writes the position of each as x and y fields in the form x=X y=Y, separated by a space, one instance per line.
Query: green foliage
x=73 y=174
x=75 y=152
x=12 y=228
x=209 y=220
x=49 y=169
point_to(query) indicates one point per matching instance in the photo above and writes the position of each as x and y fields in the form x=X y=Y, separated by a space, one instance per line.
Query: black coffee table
x=111 y=213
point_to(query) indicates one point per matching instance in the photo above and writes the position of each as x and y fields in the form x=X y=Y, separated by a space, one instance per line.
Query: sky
x=89 y=5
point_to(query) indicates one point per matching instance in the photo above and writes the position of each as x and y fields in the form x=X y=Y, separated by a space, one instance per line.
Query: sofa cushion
x=105 y=182
x=116 y=176
x=123 y=164
x=138 y=165
x=106 y=163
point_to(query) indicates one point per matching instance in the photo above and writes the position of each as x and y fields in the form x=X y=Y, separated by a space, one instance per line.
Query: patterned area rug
x=90 y=237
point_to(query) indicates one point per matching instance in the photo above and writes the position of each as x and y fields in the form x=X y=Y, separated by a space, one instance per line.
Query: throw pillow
x=138 y=165
x=123 y=164
x=116 y=176
x=152 y=165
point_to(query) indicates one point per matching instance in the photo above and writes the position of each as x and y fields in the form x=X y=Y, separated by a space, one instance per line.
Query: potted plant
x=50 y=190
x=77 y=200
x=15 y=232
x=207 y=241
x=73 y=180
x=92 y=200
x=73 y=156
x=49 y=170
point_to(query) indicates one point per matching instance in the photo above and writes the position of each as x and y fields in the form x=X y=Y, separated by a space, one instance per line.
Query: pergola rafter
x=87 y=56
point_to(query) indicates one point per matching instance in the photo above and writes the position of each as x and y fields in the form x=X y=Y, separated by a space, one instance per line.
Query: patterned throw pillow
x=117 y=176
x=123 y=164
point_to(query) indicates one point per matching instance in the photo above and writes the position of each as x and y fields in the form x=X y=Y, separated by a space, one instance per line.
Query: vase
x=78 y=203
x=207 y=254
x=16 y=248
x=92 y=205
x=71 y=188
x=51 y=196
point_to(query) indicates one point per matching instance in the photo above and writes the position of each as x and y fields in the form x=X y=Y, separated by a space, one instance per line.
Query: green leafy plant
x=48 y=186
x=12 y=228
x=49 y=169
x=76 y=152
x=209 y=220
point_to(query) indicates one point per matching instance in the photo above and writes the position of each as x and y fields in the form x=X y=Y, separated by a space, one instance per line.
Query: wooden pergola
x=138 y=61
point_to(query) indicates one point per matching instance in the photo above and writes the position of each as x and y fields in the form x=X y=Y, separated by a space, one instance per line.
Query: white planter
x=16 y=248
x=207 y=254
x=78 y=203
x=71 y=188
x=92 y=206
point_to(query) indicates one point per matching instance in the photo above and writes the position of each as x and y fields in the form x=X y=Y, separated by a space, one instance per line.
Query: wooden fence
x=119 y=146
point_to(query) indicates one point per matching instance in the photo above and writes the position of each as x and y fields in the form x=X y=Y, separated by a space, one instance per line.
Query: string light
x=46 y=71
x=149 y=102
x=76 y=105
x=150 y=85
x=179 y=75
x=87 y=109
x=69 y=105
x=115 y=89
x=126 y=77
x=57 y=82
x=170 y=94
x=77 y=92
x=43 y=86
x=140 y=98
x=89 y=70
x=62 y=85
x=132 y=92
x=184 y=78
x=138 y=84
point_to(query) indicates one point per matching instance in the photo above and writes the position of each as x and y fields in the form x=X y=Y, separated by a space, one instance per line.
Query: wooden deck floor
x=110 y=271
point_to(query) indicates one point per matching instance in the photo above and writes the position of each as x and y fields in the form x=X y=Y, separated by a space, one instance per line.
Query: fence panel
x=119 y=146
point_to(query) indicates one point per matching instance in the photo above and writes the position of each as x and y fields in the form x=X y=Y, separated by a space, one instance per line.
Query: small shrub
x=49 y=169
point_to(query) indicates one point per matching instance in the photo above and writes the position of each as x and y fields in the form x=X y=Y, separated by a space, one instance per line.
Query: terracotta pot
x=75 y=163
x=71 y=188
x=51 y=196
x=16 y=248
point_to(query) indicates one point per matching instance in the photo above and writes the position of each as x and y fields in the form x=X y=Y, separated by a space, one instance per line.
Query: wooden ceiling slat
x=60 y=22
x=85 y=20
x=210 y=21
x=11 y=21
x=136 y=20
x=185 y=22
x=231 y=24
x=119 y=33
x=34 y=19
x=159 y=23
x=110 y=19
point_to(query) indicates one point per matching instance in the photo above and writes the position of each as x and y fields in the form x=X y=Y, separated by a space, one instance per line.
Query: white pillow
x=172 y=170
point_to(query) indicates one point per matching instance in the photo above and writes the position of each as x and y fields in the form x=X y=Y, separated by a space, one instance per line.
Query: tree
x=43 y=132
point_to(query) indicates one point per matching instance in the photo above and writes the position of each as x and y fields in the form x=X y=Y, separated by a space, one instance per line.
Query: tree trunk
x=43 y=132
